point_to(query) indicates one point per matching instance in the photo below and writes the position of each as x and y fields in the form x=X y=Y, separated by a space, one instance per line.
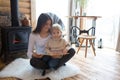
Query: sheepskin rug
x=22 y=69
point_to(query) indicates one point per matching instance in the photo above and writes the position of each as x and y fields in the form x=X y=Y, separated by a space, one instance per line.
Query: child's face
x=56 y=33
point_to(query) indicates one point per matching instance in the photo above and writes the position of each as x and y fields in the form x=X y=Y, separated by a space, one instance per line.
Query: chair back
x=75 y=28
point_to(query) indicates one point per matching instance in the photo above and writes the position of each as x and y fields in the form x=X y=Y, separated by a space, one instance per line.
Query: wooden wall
x=25 y=7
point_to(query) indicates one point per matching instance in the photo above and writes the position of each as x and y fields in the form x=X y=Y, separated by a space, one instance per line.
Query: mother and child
x=47 y=49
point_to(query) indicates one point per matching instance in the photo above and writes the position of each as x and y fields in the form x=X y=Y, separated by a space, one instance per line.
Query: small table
x=94 y=18
x=87 y=38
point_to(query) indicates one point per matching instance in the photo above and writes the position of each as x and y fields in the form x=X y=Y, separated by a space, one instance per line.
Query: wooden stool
x=87 y=38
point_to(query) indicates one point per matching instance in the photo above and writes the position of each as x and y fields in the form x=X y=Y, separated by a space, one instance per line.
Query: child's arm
x=67 y=47
x=52 y=52
x=49 y=51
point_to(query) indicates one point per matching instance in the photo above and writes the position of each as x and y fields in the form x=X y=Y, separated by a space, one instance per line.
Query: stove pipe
x=14 y=13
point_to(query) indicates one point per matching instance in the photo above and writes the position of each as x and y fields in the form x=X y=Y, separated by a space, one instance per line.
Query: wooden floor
x=104 y=66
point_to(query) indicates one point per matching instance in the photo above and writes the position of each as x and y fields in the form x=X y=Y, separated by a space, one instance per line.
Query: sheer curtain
x=118 y=40
x=107 y=26
x=60 y=8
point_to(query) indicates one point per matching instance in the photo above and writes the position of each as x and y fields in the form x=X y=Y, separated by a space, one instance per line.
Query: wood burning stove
x=15 y=37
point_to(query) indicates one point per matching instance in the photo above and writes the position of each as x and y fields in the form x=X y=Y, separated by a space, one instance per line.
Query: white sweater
x=38 y=43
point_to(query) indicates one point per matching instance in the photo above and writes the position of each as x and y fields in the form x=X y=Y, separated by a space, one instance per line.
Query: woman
x=37 y=42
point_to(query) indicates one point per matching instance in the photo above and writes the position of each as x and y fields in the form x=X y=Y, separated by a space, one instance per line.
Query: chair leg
x=92 y=47
x=86 y=48
x=80 y=46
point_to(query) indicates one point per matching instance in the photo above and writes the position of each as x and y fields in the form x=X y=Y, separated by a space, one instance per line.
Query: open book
x=59 y=52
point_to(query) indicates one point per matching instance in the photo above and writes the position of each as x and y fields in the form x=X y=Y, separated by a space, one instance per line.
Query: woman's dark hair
x=43 y=18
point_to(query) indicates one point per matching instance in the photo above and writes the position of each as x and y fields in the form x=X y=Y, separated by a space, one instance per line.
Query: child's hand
x=65 y=51
x=54 y=54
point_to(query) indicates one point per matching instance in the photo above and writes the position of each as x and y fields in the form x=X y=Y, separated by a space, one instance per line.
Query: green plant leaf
x=83 y=3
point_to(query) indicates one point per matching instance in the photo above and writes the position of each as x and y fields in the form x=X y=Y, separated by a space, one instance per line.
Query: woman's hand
x=36 y=55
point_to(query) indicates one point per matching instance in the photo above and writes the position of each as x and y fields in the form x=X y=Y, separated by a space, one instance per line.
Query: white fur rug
x=22 y=69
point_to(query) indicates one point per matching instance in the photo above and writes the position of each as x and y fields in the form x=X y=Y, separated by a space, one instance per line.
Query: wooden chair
x=75 y=30
x=87 y=38
x=85 y=35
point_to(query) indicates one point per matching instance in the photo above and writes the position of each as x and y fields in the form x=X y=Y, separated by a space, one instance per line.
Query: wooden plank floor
x=104 y=66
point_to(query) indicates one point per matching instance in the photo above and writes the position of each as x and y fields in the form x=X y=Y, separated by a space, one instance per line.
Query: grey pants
x=47 y=62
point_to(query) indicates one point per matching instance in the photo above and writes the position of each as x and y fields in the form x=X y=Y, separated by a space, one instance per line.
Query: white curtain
x=107 y=26
x=60 y=8
x=118 y=40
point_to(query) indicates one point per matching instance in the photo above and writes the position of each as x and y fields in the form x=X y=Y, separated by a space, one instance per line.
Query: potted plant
x=83 y=5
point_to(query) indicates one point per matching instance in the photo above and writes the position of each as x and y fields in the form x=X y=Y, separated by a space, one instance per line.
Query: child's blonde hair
x=57 y=27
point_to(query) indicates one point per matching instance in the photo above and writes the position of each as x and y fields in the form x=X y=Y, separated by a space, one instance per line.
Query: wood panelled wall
x=25 y=7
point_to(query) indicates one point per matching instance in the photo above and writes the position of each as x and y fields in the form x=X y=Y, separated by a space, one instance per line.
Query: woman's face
x=47 y=26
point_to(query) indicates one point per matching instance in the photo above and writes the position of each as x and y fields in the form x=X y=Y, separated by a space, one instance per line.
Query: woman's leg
x=40 y=63
x=66 y=57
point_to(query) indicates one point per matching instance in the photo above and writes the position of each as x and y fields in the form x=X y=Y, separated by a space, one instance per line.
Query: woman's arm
x=31 y=45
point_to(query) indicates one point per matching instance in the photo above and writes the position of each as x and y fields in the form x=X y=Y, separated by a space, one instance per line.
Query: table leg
x=93 y=30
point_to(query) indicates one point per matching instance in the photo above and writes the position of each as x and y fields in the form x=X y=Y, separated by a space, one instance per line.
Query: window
x=107 y=26
x=59 y=7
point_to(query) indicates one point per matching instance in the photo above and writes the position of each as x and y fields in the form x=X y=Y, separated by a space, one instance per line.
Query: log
x=4 y=3
x=24 y=5
x=5 y=9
